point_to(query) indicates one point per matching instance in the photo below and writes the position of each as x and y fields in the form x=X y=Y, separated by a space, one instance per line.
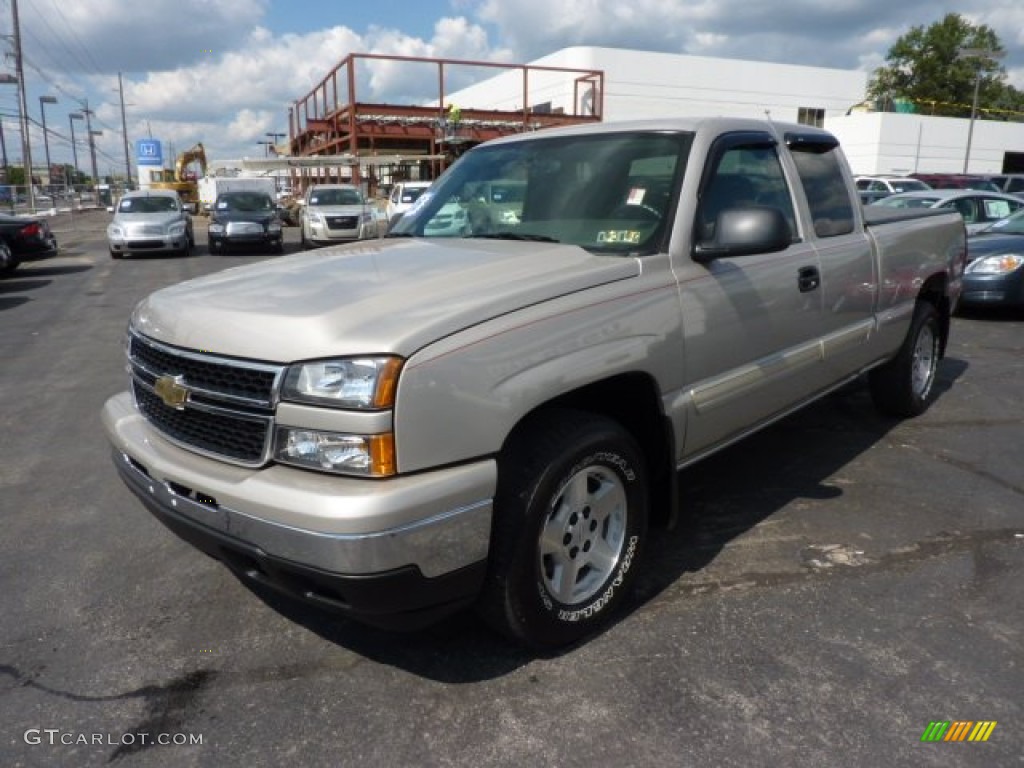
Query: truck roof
x=704 y=124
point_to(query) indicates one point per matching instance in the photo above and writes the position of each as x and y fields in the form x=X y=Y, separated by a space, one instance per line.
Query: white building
x=641 y=84
x=879 y=143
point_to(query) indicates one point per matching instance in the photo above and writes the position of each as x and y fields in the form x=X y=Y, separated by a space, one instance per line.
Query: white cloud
x=212 y=71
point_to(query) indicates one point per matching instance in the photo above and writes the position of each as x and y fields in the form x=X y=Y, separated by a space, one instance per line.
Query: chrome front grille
x=342 y=222
x=227 y=408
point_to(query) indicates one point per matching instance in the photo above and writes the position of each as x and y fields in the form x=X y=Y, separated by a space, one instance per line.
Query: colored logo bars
x=958 y=730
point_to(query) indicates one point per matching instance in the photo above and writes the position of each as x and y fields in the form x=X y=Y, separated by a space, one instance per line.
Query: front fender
x=459 y=398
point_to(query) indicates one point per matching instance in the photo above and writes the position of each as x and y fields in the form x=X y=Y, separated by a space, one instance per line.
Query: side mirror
x=743 y=231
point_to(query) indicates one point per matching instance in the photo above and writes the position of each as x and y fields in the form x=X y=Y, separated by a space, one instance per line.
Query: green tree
x=928 y=67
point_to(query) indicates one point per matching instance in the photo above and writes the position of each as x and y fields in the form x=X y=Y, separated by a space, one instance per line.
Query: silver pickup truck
x=403 y=427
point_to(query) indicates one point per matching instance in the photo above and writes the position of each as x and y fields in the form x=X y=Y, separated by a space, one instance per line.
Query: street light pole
x=982 y=54
x=43 y=101
x=266 y=147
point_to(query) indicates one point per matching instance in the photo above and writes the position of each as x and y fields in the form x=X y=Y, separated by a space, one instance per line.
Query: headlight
x=216 y=227
x=115 y=231
x=274 y=226
x=316 y=218
x=996 y=265
x=178 y=228
x=368 y=455
x=365 y=383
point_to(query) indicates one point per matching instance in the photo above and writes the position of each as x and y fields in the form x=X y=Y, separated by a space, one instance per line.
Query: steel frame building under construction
x=379 y=144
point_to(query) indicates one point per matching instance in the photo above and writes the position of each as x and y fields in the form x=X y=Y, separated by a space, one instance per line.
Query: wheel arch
x=935 y=291
x=633 y=401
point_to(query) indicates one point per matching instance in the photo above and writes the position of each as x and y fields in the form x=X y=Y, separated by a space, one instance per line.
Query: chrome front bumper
x=438 y=522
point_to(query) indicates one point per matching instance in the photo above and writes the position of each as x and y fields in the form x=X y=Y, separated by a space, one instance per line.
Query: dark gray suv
x=245 y=218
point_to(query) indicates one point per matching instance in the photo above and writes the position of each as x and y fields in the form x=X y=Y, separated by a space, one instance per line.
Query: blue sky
x=224 y=72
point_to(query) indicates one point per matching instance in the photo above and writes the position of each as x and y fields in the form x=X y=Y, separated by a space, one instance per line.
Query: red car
x=957 y=181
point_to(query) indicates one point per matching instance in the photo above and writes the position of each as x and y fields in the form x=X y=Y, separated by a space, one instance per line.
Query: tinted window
x=827 y=195
x=745 y=176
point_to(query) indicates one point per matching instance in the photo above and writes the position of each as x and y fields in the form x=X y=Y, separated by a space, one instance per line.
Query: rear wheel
x=903 y=386
x=570 y=522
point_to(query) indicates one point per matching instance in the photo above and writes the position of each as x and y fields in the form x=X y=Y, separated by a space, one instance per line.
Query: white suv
x=403 y=195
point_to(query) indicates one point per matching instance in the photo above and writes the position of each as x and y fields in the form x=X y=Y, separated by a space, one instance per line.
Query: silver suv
x=338 y=213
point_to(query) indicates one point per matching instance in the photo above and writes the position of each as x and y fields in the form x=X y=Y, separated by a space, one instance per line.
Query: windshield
x=908 y=185
x=335 y=197
x=609 y=193
x=898 y=201
x=248 y=202
x=147 y=204
x=1011 y=225
x=411 y=194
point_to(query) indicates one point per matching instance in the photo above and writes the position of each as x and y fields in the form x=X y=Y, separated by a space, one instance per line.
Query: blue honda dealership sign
x=148 y=152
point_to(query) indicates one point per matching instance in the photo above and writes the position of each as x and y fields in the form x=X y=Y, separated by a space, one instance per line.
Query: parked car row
x=978 y=208
x=156 y=221
x=24 y=238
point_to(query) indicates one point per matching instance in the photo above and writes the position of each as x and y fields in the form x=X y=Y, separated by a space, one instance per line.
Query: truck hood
x=374 y=297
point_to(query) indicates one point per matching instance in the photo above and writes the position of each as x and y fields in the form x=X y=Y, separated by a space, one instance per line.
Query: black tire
x=571 y=502
x=903 y=387
x=8 y=261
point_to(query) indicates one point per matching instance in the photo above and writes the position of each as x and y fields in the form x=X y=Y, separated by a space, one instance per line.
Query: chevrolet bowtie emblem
x=172 y=391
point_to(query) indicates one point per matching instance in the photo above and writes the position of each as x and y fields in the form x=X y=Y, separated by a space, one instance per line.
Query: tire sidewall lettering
x=624 y=468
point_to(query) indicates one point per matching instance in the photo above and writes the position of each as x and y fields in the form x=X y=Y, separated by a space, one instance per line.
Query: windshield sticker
x=636 y=196
x=631 y=236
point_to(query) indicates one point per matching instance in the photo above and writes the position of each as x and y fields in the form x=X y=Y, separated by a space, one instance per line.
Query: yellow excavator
x=183 y=180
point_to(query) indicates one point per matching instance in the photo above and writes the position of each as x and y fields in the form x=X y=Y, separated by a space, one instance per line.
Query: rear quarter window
x=825 y=186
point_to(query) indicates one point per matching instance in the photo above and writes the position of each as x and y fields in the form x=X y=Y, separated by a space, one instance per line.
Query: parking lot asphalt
x=839 y=582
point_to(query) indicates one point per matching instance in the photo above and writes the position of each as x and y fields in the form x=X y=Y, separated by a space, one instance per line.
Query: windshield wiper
x=517 y=236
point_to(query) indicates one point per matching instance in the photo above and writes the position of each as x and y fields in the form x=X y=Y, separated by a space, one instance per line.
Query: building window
x=809 y=116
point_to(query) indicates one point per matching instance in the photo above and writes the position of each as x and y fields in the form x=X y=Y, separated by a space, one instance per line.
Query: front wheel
x=570 y=522
x=903 y=386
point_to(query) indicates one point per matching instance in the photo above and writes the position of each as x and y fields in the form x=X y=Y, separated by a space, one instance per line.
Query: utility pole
x=26 y=145
x=3 y=148
x=124 y=132
x=92 y=143
x=72 y=116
